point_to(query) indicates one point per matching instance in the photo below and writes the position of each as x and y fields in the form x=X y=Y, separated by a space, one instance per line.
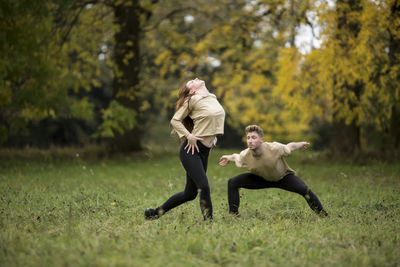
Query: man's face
x=253 y=140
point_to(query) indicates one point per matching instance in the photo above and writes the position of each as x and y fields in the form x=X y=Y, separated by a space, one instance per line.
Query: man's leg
x=290 y=183
x=294 y=184
x=245 y=180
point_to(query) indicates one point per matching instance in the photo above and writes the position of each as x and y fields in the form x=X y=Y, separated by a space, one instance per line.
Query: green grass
x=81 y=212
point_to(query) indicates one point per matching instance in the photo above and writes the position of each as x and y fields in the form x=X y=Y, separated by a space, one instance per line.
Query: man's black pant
x=290 y=183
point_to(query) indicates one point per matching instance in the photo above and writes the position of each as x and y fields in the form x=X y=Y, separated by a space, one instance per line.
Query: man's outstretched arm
x=224 y=160
x=298 y=145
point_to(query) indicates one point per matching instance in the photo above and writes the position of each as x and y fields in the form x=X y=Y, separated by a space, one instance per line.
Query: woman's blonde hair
x=184 y=96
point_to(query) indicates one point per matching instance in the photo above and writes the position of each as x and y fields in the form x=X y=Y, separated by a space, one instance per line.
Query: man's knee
x=309 y=194
x=295 y=184
x=231 y=183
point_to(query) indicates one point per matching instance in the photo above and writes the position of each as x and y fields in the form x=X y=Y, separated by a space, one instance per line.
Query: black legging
x=196 y=181
x=290 y=183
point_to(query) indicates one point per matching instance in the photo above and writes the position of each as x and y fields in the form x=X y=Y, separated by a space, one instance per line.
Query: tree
x=393 y=29
x=139 y=52
x=35 y=77
x=127 y=16
x=44 y=75
x=259 y=66
x=347 y=88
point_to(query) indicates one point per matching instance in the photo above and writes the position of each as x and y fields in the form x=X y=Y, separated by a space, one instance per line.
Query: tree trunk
x=395 y=126
x=345 y=136
x=394 y=56
x=126 y=76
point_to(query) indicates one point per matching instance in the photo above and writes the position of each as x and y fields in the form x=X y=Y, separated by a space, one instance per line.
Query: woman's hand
x=192 y=143
x=214 y=144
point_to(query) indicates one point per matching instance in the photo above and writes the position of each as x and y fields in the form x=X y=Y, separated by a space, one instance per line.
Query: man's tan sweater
x=270 y=164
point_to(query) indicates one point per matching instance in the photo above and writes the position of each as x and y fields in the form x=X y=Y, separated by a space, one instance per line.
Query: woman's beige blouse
x=207 y=114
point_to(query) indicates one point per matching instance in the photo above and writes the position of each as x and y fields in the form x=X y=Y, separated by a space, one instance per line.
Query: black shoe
x=151 y=214
x=323 y=213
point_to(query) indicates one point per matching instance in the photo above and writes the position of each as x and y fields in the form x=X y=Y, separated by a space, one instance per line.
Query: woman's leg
x=189 y=193
x=195 y=166
x=196 y=181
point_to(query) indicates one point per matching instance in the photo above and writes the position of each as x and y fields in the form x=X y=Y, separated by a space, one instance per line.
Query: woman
x=198 y=119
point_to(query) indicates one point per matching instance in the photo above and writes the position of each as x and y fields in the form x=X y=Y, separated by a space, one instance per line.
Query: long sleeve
x=235 y=158
x=177 y=119
x=238 y=159
x=207 y=114
x=284 y=150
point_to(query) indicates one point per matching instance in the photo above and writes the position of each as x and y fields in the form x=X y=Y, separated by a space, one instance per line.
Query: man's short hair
x=255 y=128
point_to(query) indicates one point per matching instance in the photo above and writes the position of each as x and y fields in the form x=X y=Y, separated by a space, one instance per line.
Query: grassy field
x=81 y=212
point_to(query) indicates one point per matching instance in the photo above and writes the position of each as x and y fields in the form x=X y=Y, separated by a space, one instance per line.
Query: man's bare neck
x=257 y=152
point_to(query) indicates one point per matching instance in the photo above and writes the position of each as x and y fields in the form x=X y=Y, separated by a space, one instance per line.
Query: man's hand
x=304 y=145
x=298 y=145
x=223 y=161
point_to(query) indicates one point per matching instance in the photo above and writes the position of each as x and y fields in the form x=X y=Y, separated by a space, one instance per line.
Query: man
x=267 y=169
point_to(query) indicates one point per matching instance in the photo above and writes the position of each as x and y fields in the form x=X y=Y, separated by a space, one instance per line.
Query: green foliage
x=79 y=212
x=25 y=65
x=49 y=55
x=243 y=39
x=244 y=50
x=81 y=109
x=379 y=70
x=116 y=118
x=263 y=78
x=356 y=54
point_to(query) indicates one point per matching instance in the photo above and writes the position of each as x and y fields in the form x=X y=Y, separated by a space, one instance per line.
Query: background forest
x=107 y=71
x=87 y=90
